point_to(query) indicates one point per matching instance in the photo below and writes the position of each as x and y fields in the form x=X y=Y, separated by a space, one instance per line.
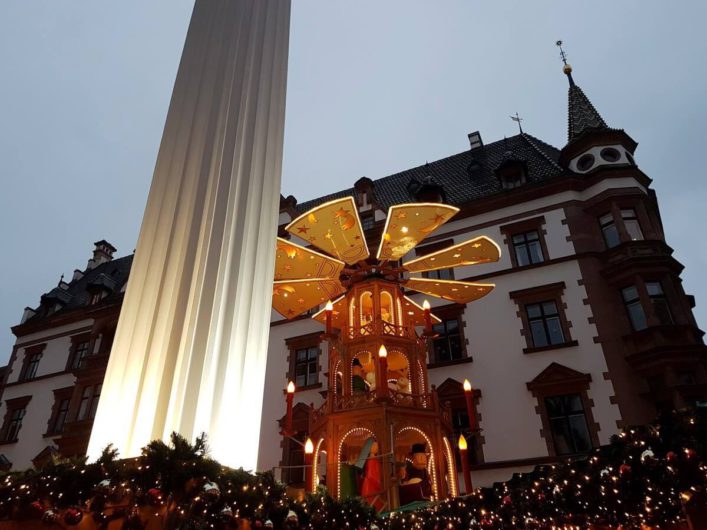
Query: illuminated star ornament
x=306 y=278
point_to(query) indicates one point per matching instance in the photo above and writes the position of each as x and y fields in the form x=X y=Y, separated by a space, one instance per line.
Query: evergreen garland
x=643 y=477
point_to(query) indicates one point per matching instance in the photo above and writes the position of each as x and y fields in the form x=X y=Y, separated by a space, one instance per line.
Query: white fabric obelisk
x=190 y=350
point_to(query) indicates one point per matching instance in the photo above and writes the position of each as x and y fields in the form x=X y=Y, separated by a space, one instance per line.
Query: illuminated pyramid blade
x=472 y=252
x=335 y=228
x=415 y=313
x=338 y=313
x=408 y=224
x=455 y=291
x=293 y=262
x=293 y=297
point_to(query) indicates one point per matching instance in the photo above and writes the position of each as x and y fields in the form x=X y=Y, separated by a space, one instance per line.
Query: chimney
x=102 y=253
x=475 y=140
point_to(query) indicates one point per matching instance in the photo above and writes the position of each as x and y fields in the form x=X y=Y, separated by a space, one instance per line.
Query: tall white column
x=190 y=350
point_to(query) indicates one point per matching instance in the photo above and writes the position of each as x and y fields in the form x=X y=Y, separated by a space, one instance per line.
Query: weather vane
x=517 y=119
x=563 y=55
x=567 y=69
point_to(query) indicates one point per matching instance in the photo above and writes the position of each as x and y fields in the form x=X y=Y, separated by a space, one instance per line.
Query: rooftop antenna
x=517 y=119
x=567 y=69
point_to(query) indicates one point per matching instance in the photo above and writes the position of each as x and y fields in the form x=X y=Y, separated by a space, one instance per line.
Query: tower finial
x=518 y=119
x=567 y=69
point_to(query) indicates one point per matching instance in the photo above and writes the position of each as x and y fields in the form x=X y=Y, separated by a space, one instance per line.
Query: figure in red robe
x=372 y=486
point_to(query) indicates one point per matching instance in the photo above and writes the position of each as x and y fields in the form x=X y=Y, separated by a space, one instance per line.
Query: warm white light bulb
x=308 y=446
x=382 y=352
x=329 y=306
x=290 y=388
x=462 y=443
x=425 y=305
x=467 y=385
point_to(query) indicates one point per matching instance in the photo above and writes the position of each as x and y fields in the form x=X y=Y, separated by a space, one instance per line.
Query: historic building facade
x=587 y=330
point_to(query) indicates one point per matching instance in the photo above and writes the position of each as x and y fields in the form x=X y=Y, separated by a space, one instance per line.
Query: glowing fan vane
x=305 y=278
x=293 y=262
x=293 y=297
x=335 y=228
x=408 y=224
x=473 y=252
x=454 y=291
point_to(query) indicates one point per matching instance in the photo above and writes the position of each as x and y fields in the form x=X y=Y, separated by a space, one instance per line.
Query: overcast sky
x=374 y=88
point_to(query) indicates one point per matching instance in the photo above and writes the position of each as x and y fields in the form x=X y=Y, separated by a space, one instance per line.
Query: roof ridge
x=527 y=138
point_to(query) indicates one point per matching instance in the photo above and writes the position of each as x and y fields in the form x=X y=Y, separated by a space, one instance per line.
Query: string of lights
x=646 y=477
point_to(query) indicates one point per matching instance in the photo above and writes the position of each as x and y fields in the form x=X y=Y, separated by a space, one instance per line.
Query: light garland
x=451 y=468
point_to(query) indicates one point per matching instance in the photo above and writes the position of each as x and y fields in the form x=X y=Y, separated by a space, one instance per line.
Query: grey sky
x=374 y=88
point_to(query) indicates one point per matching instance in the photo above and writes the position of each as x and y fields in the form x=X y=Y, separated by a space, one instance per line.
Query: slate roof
x=582 y=114
x=466 y=176
x=111 y=276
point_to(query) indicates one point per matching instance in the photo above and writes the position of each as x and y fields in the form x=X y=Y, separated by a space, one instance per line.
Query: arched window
x=387 y=310
x=366 y=308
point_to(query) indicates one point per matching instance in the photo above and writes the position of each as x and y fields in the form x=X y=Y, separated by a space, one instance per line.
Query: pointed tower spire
x=582 y=115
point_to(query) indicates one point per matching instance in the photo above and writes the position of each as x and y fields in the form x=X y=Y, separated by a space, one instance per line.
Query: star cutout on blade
x=438 y=218
x=302 y=229
x=341 y=213
x=288 y=267
x=402 y=215
x=476 y=245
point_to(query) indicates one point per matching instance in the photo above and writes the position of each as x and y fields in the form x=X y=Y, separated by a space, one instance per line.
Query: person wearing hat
x=358 y=383
x=268 y=524
x=416 y=470
x=292 y=521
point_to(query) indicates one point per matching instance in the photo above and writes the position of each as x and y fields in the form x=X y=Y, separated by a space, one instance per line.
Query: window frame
x=14 y=407
x=661 y=297
x=30 y=366
x=307 y=363
x=30 y=353
x=542 y=293
x=557 y=380
x=544 y=318
x=61 y=395
x=525 y=246
x=534 y=224
x=629 y=303
x=310 y=340
x=72 y=362
x=621 y=215
x=604 y=226
x=648 y=303
x=89 y=396
x=446 y=313
x=566 y=416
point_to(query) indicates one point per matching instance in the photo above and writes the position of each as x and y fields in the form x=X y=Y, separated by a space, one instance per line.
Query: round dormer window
x=585 y=162
x=609 y=154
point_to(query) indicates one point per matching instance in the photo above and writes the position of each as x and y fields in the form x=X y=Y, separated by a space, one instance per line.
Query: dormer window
x=510 y=182
x=95 y=298
x=511 y=171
